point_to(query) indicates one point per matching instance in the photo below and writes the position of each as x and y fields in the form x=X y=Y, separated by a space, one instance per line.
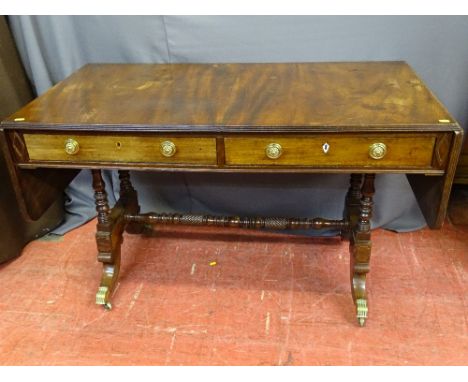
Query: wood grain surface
x=344 y=151
x=283 y=95
x=121 y=148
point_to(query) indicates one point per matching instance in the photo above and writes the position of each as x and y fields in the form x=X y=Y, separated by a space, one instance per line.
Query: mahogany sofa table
x=360 y=118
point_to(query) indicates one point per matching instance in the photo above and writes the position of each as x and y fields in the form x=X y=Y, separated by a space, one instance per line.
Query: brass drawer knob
x=168 y=149
x=273 y=150
x=72 y=147
x=377 y=150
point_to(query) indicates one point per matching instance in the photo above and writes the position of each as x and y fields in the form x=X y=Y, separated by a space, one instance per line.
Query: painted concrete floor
x=271 y=299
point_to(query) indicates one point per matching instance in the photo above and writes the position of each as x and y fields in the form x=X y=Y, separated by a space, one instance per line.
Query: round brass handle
x=168 y=149
x=377 y=150
x=273 y=150
x=72 y=147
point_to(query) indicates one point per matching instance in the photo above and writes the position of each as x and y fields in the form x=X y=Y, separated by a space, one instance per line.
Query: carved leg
x=129 y=199
x=108 y=238
x=360 y=249
x=352 y=205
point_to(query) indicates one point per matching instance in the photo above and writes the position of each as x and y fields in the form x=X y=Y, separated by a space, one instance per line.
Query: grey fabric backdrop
x=52 y=47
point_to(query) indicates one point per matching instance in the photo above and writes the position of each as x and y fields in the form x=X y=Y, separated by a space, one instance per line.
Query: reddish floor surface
x=271 y=299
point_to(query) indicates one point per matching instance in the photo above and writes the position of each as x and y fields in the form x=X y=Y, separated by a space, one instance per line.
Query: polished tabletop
x=344 y=94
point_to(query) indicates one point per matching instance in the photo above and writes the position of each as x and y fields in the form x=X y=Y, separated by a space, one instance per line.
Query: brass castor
x=108 y=306
x=102 y=297
x=361 y=309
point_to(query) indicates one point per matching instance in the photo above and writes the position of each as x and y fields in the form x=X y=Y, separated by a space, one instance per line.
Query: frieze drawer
x=343 y=150
x=121 y=148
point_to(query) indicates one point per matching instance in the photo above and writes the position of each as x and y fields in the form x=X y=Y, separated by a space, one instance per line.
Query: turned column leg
x=360 y=249
x=108 y=239
x=129 y=199
x=352 y=204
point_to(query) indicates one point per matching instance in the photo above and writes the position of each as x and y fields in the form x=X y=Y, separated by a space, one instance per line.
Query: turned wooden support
x=100 y=198
x=126 y=188
x=360 y=248
x=352 y=204
x=236 y=221
x=108 y=239
x=129 y=199
x=104 y=218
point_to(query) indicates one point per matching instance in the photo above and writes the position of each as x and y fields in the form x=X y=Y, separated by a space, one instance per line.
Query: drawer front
x=408 y=151
x=118 y=148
